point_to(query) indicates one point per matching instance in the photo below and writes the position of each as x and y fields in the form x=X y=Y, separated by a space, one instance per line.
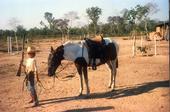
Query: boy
x=31 y=72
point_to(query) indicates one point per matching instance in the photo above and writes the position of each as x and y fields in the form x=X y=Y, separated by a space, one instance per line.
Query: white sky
x=31 y=12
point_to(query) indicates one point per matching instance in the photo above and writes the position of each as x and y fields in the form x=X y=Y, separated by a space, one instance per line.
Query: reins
x=41 y=85
x=71 y=76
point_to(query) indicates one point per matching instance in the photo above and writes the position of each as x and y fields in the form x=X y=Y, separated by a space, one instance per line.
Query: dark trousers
x=30 y=83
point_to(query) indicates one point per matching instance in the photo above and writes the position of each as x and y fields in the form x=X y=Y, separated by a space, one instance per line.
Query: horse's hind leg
x=81 y=85
x=86 y=80
x=112 y=68
x=114 y=72
x=79 y=69
x=109 y=66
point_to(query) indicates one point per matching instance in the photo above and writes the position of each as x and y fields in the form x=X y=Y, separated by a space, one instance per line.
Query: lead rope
x=41 y=85
x=82 y=49
x=71 y=76
x=53 y=85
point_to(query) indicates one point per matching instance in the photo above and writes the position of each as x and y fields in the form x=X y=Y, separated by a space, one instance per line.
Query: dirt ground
x=142 y=84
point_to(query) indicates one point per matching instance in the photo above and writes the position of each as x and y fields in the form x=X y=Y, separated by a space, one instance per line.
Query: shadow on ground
x=90 y=109
x=119 y=93
x=133 y=90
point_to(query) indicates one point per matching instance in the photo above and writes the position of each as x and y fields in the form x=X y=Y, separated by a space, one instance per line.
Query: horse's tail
x=117 y=52
x=117 y=63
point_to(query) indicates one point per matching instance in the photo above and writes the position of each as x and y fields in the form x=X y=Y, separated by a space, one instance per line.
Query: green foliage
x=137 y=17
x=94 y=13
x=21 y=31
x=49 y=17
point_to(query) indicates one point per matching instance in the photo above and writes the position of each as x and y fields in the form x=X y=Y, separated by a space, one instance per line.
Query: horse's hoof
x=113 y=89
x=109 y=87
x=80 y=94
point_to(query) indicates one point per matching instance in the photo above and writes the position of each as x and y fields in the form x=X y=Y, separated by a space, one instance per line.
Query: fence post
x=141 y=41
x=16 y=39
x=8 y=44
x=155 y=45
x=134 y=46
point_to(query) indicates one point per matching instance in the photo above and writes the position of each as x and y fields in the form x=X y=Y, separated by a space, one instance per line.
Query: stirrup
x=94 y=67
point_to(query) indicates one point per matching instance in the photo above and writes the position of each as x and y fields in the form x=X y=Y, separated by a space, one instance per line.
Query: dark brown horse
x=78 y=52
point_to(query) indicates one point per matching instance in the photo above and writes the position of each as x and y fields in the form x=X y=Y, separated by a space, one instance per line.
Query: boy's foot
x=35 y=104
x=31 y=101
x=94 y=67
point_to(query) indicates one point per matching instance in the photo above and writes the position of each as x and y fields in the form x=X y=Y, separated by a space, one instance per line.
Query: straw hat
x=30 y=49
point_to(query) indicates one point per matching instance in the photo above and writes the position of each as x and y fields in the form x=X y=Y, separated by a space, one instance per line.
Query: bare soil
x=142 y=83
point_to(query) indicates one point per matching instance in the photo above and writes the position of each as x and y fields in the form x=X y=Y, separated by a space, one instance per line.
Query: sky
x=29 y=13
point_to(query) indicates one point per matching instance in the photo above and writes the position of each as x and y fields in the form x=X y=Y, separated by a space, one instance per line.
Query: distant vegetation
x=136 y=18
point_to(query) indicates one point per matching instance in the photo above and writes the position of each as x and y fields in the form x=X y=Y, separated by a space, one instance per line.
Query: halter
x=82 y=49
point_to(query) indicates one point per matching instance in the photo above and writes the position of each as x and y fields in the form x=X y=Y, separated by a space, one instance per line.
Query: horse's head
x=54 y=59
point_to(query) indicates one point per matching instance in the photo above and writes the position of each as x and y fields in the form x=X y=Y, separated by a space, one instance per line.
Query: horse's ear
x=52 y=50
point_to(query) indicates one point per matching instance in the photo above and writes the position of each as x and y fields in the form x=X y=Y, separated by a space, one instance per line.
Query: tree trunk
x=94 y=29
x=155 y=45
x=141 y=40
x=8 y=44
x=146 y=29
x=16 y=39
x=134 y=45
x=68 y=33
x=62 y=36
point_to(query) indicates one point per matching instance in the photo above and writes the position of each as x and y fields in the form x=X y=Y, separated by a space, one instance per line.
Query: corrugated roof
x=162 y=24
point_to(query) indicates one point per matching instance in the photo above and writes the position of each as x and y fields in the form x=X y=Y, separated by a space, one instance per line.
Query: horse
x=77 y=52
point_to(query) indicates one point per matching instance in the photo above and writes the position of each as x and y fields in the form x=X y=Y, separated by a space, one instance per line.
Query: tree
x=49 y=17
x=43 y=24
x=149 y=9
x=14 y=22
x=116 y=24
x=136 y=16
x=94 y=13
x=140 y=13
x=105 y=29
x=21 y=31
x=71 y=16
x=62 y=25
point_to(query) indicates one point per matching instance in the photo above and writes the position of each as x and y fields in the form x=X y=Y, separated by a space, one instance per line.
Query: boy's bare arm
x=36 y=71
x=24 y=67
x=37 y=76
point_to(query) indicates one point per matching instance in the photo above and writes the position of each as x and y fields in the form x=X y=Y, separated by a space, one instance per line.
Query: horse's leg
x=86 y=80
x=109 y=66
x=79 y=69
x=112 y=68
x=81 y=85
x=114 y=72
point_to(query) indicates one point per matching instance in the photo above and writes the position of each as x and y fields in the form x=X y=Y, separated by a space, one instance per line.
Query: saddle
x=97 y=39
x=96 y=49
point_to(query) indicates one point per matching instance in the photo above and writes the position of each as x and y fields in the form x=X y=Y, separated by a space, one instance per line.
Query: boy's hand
x=38 y=80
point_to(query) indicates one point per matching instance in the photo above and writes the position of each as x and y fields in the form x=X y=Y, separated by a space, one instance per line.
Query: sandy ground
x=142 y=84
